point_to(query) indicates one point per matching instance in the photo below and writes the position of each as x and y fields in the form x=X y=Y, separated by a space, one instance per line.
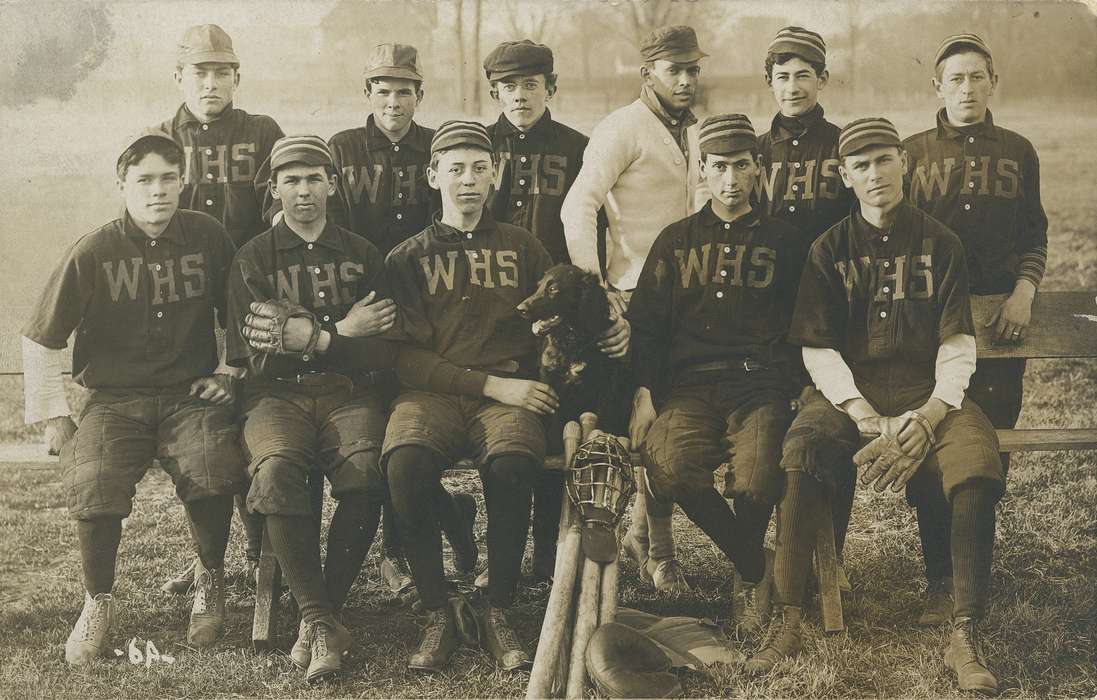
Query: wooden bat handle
x=586 y=621
x=551 y=645
x=587 y=422
x=572 y=434
x=607 y=605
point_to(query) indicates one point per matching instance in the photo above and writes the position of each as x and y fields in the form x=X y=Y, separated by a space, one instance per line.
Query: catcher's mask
x=599 y=485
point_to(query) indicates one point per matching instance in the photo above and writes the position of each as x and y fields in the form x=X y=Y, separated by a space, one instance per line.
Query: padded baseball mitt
x=265 y=327
x=623 y=663
x=883 y=460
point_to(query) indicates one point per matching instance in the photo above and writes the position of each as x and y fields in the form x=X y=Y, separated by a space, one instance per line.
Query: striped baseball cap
x=960 y=42
x=862 y=133
x=310 y=150
x=727 y=133
x=458 y=132
x=801 y=42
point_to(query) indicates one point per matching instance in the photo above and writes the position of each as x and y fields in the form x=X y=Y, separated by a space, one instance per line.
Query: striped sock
x=798 y=511
x=972 y=548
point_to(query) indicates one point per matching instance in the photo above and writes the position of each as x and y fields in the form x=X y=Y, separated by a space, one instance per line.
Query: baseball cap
x=801 y=42
x=862 y=133
x=960 y=42
x=205 y=43
x=149 y=133
x=460 y=133
x=677 y=43
x=393 y=61
x=310 y=150
x=722 y=134
x=517 y=58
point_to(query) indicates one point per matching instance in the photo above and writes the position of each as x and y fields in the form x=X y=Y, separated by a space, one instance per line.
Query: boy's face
x=965 y=86
x=464 y=176
x=730 y=178
x=674 y=83
x=523 y=98
x=207 y=87
x=875 y=174
x=151 y=190
x=796 y=86
x=303 y=190
x=393 y=102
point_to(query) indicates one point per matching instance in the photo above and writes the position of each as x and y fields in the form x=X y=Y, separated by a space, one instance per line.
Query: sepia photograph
x=548 y=349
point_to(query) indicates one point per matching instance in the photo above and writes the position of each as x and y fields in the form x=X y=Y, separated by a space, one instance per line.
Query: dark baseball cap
x=307 y=149
x=960 y=42
x=149 y=133
x=724 y=134
x=518 y=58
x=393 y=61
x=206 y=43
x=677 y=43
x=460 y=133
x=863 y=133
x=801 y=42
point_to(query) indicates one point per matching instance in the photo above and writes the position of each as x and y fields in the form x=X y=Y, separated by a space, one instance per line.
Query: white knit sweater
x=635 y=169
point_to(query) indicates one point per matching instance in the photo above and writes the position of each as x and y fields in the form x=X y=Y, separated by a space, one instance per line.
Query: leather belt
x=319 y=378
x=746 y=364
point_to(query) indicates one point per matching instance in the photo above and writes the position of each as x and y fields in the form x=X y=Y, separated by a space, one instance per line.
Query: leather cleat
x=750 y=607
x=180 y=583
x=301 y=651
x=936 y=603
x=439 y=642
x=637 y=551
x=88 y=638
x=329 y=642
x=784 y=639
x=207 y=614
x=964 y=655
x=498 y=638
x=667 y=576
x=465 y=553
x=395 y=572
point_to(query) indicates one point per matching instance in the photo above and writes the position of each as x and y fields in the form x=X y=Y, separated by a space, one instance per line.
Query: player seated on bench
x=309 y=402
x=141 y=293
x=884 y=318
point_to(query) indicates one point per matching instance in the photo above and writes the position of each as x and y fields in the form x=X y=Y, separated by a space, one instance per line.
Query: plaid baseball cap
x=677 y=43
x=960 y=42
x=517 y=58
x=862 y=133
x=310 y=150
x=205 y=43
x=460 y=133
x=726 y=133
x=393 y=61
x=801 y=42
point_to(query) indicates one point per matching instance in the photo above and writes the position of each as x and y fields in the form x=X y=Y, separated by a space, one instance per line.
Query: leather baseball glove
x=265 y=328
x=884 y=461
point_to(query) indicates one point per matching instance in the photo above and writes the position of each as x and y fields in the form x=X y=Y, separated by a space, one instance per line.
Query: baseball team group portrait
x=515 y=348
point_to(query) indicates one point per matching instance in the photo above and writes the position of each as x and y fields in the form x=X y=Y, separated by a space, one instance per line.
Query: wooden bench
x=1064 y=326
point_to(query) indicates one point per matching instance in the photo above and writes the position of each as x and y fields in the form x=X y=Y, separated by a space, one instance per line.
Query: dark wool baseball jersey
x=225 y=174
x=142 y=307
x=983 y=182
x=383 y=193
x=885 y=299
x=327 y=277
x=799 y=182
x=712 y=290
x=535 y=170
x=458 y=292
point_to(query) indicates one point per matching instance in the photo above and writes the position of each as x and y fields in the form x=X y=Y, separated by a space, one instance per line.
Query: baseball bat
x=607 y=603
x=550 y=645
x=587 y=422
x=572 y=433
x=586 y=621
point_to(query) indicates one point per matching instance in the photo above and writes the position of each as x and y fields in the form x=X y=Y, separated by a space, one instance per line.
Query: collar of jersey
x=709 y=218
x=376 y=140
x=449 y=234
x=652 y=101
x=185 y=116
x=813 y=118
x=174 y=231
x=542 y=128
x=900 y=226
x=984 y=128
x=286 y=239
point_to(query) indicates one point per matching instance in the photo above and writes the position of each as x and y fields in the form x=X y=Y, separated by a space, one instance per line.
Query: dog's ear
x=593 y=305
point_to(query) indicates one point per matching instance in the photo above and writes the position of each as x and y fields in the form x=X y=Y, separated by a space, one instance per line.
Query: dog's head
x=567 y=292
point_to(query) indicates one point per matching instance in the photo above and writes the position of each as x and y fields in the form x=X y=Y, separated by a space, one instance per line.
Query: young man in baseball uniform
x=715 y=375
x=466 y=369
x=884 y=318
x=642 y=165
x=141 y=293
x=983 y=182
x=310 y=402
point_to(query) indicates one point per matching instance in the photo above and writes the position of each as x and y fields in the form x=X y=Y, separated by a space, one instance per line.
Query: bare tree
x=528 y=20
x=647 y=15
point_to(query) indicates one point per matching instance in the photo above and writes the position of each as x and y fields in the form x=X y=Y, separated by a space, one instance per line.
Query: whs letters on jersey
x=167 y=281
x=453 y=269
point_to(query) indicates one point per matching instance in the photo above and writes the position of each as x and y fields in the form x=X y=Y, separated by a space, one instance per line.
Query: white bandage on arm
x=831 y=375
x=43 y=389
x=955 y=365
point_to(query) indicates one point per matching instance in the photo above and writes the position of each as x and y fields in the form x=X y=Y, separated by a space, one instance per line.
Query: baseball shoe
x=88 y=638
x=301 y=651
x=329 y=642
x=465 y=553
x=964 y=655
x=439 y=642
x=936 y=603
x=207 y=615
x=180 y=583
x=783 y=640
x=637 y=551
x=750 y=607
x=667 y=575
x=499 y=639
x=395 y=572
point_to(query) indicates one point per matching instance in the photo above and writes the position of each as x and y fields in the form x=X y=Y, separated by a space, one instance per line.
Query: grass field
x=1041 y=631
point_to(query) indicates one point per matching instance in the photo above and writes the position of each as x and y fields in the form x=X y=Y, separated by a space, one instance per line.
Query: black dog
x=570 y=311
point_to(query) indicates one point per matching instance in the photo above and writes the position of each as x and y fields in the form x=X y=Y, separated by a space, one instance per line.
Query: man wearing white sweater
x=641 y=165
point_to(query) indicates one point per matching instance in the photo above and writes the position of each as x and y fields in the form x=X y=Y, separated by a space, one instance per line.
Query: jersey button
x=883 y=314
x=666 y=140
x=795 y=188
x=884 y=239
x=321 y=294
x=719 y=295
x=152 y=243
x=677 y=161
x=971 y=185
x=159 y=314
x=723 y=273
x=967 y=207
x=524 y=159
x=797 y=165
x=521 y=182
x=209 y=202
x=205 y=127
x=209 y=176
x=327 y=318
x=727 y=225
x=887 y=289
x=971 y=139
x=399 y=216
x=518 y=203
x=522 y=136
x=727 y=249
x=400 y=195
x=400 y=173
x=396 y=147
x=674 y=122
x=309 y=246
x=792 y=208
x=469 y=235
x=973 y=164
x=887 y=264
x=316 y=270
x=209 y=151
x=158 y=266
x=795 y=142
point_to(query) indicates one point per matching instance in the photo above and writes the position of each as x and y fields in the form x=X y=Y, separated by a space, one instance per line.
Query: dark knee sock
x=296 y=544
x=753 y=518
x=353 y=528
x=414 y=474
x=935 y=531
x=390 y=538
x=253 y=526
x=99 y=539
x=708 y=510
x=548 y=497
x=210 y=520
x=508 y=481
x=972 y=547
x=796 y=517
x=841 y=507
x=449 y=517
